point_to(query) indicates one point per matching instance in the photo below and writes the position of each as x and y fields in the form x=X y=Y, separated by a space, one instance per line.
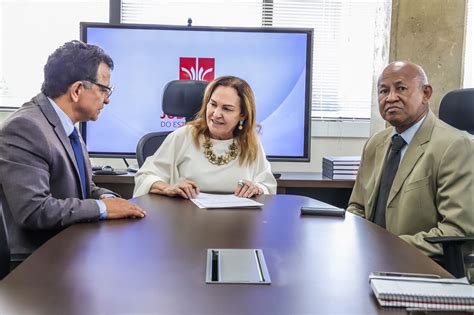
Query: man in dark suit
x=428 y=190
x=45 y=173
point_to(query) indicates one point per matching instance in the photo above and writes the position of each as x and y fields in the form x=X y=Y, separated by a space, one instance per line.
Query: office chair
x=8 y=261
x=181 y=98
x=457 y=109
x=453 y=259
x=148 y=145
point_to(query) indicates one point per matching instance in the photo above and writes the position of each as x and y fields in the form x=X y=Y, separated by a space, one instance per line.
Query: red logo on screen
x=196 y=68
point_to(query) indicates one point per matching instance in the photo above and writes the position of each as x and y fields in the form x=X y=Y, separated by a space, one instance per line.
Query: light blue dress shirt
x=408 y=135
x=68 y=126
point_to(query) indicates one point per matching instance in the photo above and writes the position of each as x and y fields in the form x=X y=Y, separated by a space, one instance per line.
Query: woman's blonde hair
x=247 y=137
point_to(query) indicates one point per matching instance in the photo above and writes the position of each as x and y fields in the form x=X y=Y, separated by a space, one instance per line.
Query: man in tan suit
x=428 y=191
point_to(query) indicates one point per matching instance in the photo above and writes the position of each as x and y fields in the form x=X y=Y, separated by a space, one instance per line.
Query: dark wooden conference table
x=156 y=265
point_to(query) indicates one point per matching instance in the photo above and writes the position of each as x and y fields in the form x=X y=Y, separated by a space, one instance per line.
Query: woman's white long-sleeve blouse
x=178 y=158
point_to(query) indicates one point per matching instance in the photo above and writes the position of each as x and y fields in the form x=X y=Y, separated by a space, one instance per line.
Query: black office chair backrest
x=148 y=145
x=4 y=247
x=180 y=98
x=183 y=98
x=457 y=109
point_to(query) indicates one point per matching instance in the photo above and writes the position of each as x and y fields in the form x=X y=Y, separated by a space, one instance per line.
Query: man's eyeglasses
x=108 y=90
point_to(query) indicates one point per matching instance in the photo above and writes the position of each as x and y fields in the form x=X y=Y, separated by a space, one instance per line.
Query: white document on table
x=213 y=201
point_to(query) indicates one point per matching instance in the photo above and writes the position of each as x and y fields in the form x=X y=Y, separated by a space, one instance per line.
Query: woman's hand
x=186 y=189
x=247 y=189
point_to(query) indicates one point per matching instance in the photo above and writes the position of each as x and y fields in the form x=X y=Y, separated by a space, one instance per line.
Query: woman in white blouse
x=219 y=151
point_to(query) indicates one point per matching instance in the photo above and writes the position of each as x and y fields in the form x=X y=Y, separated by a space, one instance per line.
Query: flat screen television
x=276 y=62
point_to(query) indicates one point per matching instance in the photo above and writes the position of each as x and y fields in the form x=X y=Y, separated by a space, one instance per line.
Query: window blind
x=44 y=25
x=343 y=49
x=202 y=13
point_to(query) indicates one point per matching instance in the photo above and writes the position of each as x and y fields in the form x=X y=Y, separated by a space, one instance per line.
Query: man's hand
x=118 y=208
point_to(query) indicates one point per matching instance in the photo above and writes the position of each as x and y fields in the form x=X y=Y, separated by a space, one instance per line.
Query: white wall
x=321 y=146
x=30 y=30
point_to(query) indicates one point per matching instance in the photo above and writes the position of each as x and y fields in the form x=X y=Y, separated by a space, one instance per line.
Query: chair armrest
x=18 y=257
x=449 y=239
x=452 y=258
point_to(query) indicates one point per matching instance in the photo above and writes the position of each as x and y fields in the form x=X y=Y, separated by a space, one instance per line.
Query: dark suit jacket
x=432 y=192
x=40 y=178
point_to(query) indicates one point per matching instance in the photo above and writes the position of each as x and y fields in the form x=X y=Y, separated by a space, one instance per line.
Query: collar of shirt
x=66 y=121
x=408 y=134
x=68 y=126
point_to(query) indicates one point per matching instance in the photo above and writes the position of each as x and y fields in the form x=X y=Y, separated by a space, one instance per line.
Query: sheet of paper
x=210 y=201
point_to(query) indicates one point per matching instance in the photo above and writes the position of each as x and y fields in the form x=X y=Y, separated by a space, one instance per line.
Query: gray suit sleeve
x=32 y=161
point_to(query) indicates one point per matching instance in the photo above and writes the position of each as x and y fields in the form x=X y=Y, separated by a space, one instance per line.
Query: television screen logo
x=196 y=68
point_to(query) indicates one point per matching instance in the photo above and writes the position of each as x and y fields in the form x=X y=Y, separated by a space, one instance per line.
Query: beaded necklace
x=228 y=156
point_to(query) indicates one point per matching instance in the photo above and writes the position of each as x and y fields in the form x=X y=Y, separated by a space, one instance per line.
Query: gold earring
x=241 y=124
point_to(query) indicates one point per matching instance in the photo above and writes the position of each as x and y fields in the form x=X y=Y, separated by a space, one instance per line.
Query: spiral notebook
x=425 y=293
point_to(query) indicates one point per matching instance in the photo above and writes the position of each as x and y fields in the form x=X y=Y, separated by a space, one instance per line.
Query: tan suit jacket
x=432 y=193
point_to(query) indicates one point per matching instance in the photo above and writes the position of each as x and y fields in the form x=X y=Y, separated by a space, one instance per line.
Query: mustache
x=391 y=106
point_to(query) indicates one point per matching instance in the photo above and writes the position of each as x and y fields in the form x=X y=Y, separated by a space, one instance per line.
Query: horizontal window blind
x=203 y=13
x=342 y=53
x=343 y=45
x=29 y=32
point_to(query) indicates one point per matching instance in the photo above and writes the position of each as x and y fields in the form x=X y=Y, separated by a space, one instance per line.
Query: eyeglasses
x=108 y=90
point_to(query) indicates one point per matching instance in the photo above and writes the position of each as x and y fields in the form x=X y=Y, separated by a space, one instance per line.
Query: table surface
x=156 y=265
